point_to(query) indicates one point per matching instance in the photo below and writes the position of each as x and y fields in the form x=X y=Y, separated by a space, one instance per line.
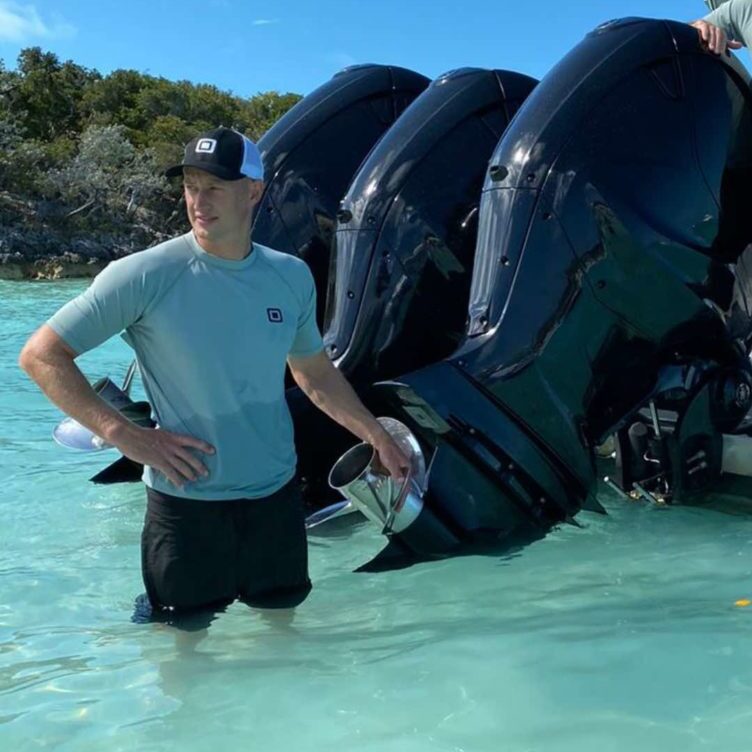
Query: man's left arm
x=330 y=391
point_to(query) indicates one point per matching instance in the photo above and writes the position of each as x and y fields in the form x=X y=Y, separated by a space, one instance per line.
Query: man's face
x=219 y=209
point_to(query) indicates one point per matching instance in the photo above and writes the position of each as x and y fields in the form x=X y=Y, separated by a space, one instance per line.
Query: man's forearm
x=62 y=382
x=330 y=391
x=333 y=394
x=51 y=364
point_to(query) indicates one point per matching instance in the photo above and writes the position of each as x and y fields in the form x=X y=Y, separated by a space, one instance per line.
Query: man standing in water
x=213 y=319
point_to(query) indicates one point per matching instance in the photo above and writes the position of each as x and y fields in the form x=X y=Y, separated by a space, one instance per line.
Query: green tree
x=47 y=94
x=114 y=98
x=259 y=113
x=7 y=81
x=166 y=137
x=88 y=151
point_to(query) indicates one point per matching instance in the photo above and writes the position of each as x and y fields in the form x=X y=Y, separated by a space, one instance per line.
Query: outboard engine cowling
x=604 y=233
x=312 y=152
x=407 y=228
x=606 y=223
x=405 y=240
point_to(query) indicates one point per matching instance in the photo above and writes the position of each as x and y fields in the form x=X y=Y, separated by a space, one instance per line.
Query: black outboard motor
x=313 y=151
x=610 y=210
x=407 y=228
x=405 y=242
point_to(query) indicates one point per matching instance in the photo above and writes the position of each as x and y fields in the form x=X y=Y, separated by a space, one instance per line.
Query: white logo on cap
x=206 y=146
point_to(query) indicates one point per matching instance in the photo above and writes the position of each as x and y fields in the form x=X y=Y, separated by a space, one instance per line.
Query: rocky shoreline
x=15 y=267
x=33 y=235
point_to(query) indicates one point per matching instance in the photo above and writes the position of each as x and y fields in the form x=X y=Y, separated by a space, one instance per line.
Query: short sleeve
x=113 y=301
x=308 y=338
x=735 y=18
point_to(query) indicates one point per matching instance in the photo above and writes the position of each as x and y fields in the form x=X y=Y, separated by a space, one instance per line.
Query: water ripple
x=621 y=635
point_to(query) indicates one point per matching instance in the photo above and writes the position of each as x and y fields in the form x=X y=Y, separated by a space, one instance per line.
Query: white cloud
x=22 y=23
x=265 y=21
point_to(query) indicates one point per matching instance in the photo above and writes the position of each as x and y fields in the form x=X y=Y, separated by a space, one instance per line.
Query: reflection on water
x=619 y=635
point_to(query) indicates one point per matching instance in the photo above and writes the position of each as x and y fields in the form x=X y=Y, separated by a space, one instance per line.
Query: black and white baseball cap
x=222 y=152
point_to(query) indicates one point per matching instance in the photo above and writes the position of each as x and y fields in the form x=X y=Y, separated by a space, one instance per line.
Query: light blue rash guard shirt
x=211 y=337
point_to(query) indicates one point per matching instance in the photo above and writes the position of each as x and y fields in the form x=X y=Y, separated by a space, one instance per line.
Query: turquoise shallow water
x=619 y=635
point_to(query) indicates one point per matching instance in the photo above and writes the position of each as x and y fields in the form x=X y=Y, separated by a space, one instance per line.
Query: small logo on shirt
x=274 y=315
x=206 y=146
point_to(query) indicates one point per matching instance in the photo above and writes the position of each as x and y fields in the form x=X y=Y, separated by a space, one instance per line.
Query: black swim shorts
x=205 y=554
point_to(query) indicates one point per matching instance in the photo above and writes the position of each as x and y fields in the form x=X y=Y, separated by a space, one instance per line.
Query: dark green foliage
x=262 y=111
x=90 y=149
x=46 y=94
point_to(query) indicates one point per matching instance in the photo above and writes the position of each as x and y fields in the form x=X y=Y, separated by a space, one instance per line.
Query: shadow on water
x=485 y=543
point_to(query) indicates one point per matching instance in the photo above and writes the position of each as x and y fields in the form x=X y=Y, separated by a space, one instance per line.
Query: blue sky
x=248 y=46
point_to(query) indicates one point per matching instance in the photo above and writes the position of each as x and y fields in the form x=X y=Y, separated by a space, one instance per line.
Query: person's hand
x=391 y=457
x=714 y=38
x=168 y=452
